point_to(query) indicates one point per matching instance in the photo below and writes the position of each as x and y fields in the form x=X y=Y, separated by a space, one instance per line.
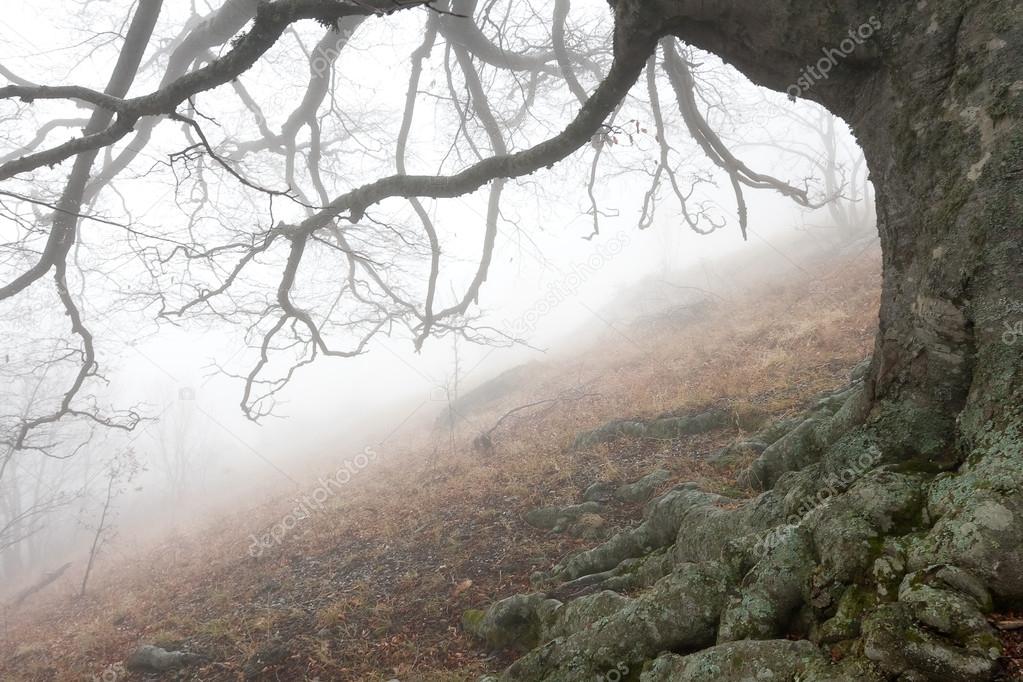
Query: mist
x=386 y=285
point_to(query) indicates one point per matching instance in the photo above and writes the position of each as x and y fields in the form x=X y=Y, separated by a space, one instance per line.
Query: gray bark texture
x=917 y=532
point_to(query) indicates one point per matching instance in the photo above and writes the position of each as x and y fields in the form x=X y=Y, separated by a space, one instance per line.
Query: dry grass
x=374 y=588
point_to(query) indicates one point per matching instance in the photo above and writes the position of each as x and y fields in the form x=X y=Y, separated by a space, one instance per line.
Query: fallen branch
x=484 y=443
x=41 y=584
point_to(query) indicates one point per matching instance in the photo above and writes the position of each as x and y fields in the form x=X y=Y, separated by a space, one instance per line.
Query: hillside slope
x=373 y=585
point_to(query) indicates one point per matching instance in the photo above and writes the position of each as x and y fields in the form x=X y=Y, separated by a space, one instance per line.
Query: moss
x=919 y=432
x=877 y=546
x=1004 y=103
x=845 y=624
x=737 y=661
x=472 y=619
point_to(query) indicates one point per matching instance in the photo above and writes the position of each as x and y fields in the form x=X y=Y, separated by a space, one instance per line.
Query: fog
x=551 y=287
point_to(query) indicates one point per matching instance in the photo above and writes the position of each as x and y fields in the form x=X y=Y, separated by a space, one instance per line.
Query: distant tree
x=118 y=474
x=181 y=445
x=814 y=138
x=34 y=489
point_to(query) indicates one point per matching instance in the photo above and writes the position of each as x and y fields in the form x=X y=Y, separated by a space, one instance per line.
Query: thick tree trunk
x=935 y=97
x=934 y=93
x=896 y=571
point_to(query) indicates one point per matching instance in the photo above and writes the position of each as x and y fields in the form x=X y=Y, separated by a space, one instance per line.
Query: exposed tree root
x=875 y=544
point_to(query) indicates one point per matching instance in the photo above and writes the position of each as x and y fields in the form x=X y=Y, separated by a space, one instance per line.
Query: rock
x=152 y=659
x=643 y=489
x=603 y=491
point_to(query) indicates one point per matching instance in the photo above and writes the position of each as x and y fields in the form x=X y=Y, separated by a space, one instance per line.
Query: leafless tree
x=814 y=139
x=341 y=211
x=33 y=488
x=353 y=263
x=182 y=445
x=119 y=472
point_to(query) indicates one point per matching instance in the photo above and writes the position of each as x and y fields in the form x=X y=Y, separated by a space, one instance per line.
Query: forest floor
x=373 y=587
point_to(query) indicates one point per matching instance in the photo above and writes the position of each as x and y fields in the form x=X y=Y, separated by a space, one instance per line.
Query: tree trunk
x=933 y=95
x=893 y=572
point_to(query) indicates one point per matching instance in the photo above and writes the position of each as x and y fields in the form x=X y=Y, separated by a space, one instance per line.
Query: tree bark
x=902 y=565
x=933 y=96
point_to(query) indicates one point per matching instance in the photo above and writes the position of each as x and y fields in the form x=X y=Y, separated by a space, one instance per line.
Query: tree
x=119 y=472
x=932 y=93
x=182 y=447
x=34 y=490
x=842 y=170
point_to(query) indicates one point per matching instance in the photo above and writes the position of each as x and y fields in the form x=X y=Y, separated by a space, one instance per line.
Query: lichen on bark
x=889 y=576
